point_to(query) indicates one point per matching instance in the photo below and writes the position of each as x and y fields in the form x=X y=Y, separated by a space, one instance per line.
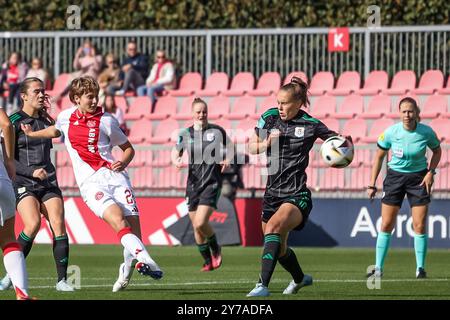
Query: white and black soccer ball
x=337 y=152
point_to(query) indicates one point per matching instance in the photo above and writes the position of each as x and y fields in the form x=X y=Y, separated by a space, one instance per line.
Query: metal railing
x=416 y=48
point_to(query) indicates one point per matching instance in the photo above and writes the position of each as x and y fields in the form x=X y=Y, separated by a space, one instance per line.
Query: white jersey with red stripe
x=89 y=139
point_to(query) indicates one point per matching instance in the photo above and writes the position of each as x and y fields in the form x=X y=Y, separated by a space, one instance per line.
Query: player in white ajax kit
x=90 y=134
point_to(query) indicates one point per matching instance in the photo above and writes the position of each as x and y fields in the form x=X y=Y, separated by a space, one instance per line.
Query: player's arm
x=47 y=133
x=229 y=151
x=8 y=143
x=428 y=180
x=258 y=145
x=127 y=156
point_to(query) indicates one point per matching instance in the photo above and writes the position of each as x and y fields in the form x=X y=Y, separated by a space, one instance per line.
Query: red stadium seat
x=312 y=178
x=379 y=106
x=142 y=157
x=324 y=106
x=268 y=83
x=225 y=124
x=62 y=158
x=244 y=130
x=332 y=179
x=349 y=81
x=357 y=128
x=243 y=106
x=140 y=130
x=266 y=104
x=352 y=106
x=66 y=177
x=218 y=106
x=216 y=83
x=185 y=112
x=359 y=179
x=378 y=126
x=242 y=82
x=375 y=82
x=61 y=82
x=435 y=106
x=121 y=102
x=430 y=81
x=332 y=124
x=442 y=179
x=321 y=82
x=442 y=128
x=402 y=82
x=65 y=103
x=162 y=157
x=190 y=83
x=445 y=90
x=164 y=107
x=166 y=131
x=139 y=108
x=298 y=74
x=142 y=178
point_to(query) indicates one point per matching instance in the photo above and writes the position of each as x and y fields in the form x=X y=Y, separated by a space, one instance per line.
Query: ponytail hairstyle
x=299 y=90
x=23 y=88
x=412 y=102
x=199 y=100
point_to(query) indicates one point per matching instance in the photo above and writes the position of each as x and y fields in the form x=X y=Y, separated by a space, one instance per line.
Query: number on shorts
x=129 y=196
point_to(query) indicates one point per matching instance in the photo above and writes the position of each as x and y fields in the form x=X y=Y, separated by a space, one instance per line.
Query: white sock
x=128 y=260
x=136 y=248
x=14 y=262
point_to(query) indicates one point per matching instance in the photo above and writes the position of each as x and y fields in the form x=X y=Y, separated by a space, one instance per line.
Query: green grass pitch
x=338 y=274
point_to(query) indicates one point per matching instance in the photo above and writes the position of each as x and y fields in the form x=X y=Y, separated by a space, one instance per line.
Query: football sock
x=134 y=245
x=61 y=255
x=290 y=264
x=25 y=243
x=272 y=243
x=128 y=259
x=205 y=252
x=420 y=247
x=14 y=262
x=382 y=248
x=212 y=241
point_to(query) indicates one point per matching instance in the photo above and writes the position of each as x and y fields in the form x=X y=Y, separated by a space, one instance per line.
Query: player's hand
x=118 y=166
x=428 y=181
x=26 y=128
x=178 y=163
x=371 y=193
x=274 y=135
x=225 y=164
x=40 y=174
x=10 y=167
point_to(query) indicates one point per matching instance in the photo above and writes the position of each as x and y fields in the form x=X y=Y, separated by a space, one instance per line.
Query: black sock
x=25 y=243
x=212 y=241
x=272 y=243
x=205 y=252
x=61 y=255
x=290 y=264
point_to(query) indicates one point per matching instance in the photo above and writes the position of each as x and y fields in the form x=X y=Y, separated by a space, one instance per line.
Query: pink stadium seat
x=243 y=106
x=66 y=177
x=357 y=128
x=402 y=82
x=65 y=103
x=266 y=104
x=216 y=83
x=324 y=106
x=169 y=177
x=218 y=106
x=185 y=112
x=395 y=111
x=349 y=81
x=166 y=131
x=63 y=158
x=190 y=83
x=225 y=124
x=142 y=177
x=244 y=130
x=61 y=82
x=375 y=82
x=142 y=157
x=140 y=130
x=312 y=176
x=121 y=102
x=139 y=108
x=378 y=126
x=435 y=106
x=430 y=81
x=298 y=74
x=164 y=107
x=445 y=90
x=442 y=128
x=242 y=82
x=352 y=106
x=54 y=111
x=268 y=83
x=379 y=106
x=442 y=179
x=359 y=179
x=162 y=156
x=332 y=179
x=332 y=124
x=321 y=82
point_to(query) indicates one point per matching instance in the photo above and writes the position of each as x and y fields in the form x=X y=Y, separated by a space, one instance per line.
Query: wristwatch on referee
x=433 y=171
x=372 y=188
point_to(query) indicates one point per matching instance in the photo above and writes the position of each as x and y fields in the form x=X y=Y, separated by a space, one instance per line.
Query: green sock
x=420 y=247
x=383 y=241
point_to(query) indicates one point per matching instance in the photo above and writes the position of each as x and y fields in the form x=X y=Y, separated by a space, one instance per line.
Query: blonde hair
x=299 y=90
x=83 y=85
x=199 y=100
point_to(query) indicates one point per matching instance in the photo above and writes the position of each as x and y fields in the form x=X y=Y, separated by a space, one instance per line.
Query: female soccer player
x=13 y=258
x=205 y=144
x=286 y=134
x=35 y=186
x=90 y=134
x=408 y=173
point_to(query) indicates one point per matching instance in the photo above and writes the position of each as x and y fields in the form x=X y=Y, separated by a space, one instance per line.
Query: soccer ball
x=337 y=152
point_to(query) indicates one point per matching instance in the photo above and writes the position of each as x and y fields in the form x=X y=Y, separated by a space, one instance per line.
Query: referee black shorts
x=301 y=200
x=398 y=184
x=207 y=195
x=41 y=194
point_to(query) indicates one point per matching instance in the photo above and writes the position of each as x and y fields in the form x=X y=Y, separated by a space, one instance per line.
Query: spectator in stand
x=109 y=105
x=162 y=77
x=134 y=70
x=12 y=74
x=37 y=71
x=108 y=76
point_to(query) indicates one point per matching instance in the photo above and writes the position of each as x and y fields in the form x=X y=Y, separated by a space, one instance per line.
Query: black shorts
x=398 y=184
x=208 y=196
x=41 y=194
x=302 y=201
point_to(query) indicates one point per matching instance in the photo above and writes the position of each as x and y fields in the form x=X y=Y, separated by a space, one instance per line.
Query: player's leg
x=203 y=214
x=202 y=244
x=53 y=208
x=29 y=211
x=419 y=216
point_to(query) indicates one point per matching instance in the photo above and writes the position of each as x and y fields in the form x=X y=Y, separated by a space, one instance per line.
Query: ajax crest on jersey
x=337 y=152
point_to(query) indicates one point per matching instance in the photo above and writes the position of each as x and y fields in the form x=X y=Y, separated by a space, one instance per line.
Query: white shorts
x=7 y=201
x=106 y=187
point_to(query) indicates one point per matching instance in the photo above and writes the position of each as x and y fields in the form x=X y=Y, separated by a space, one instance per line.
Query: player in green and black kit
x=207 y=145
x=286 y=134
x=408 y=173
